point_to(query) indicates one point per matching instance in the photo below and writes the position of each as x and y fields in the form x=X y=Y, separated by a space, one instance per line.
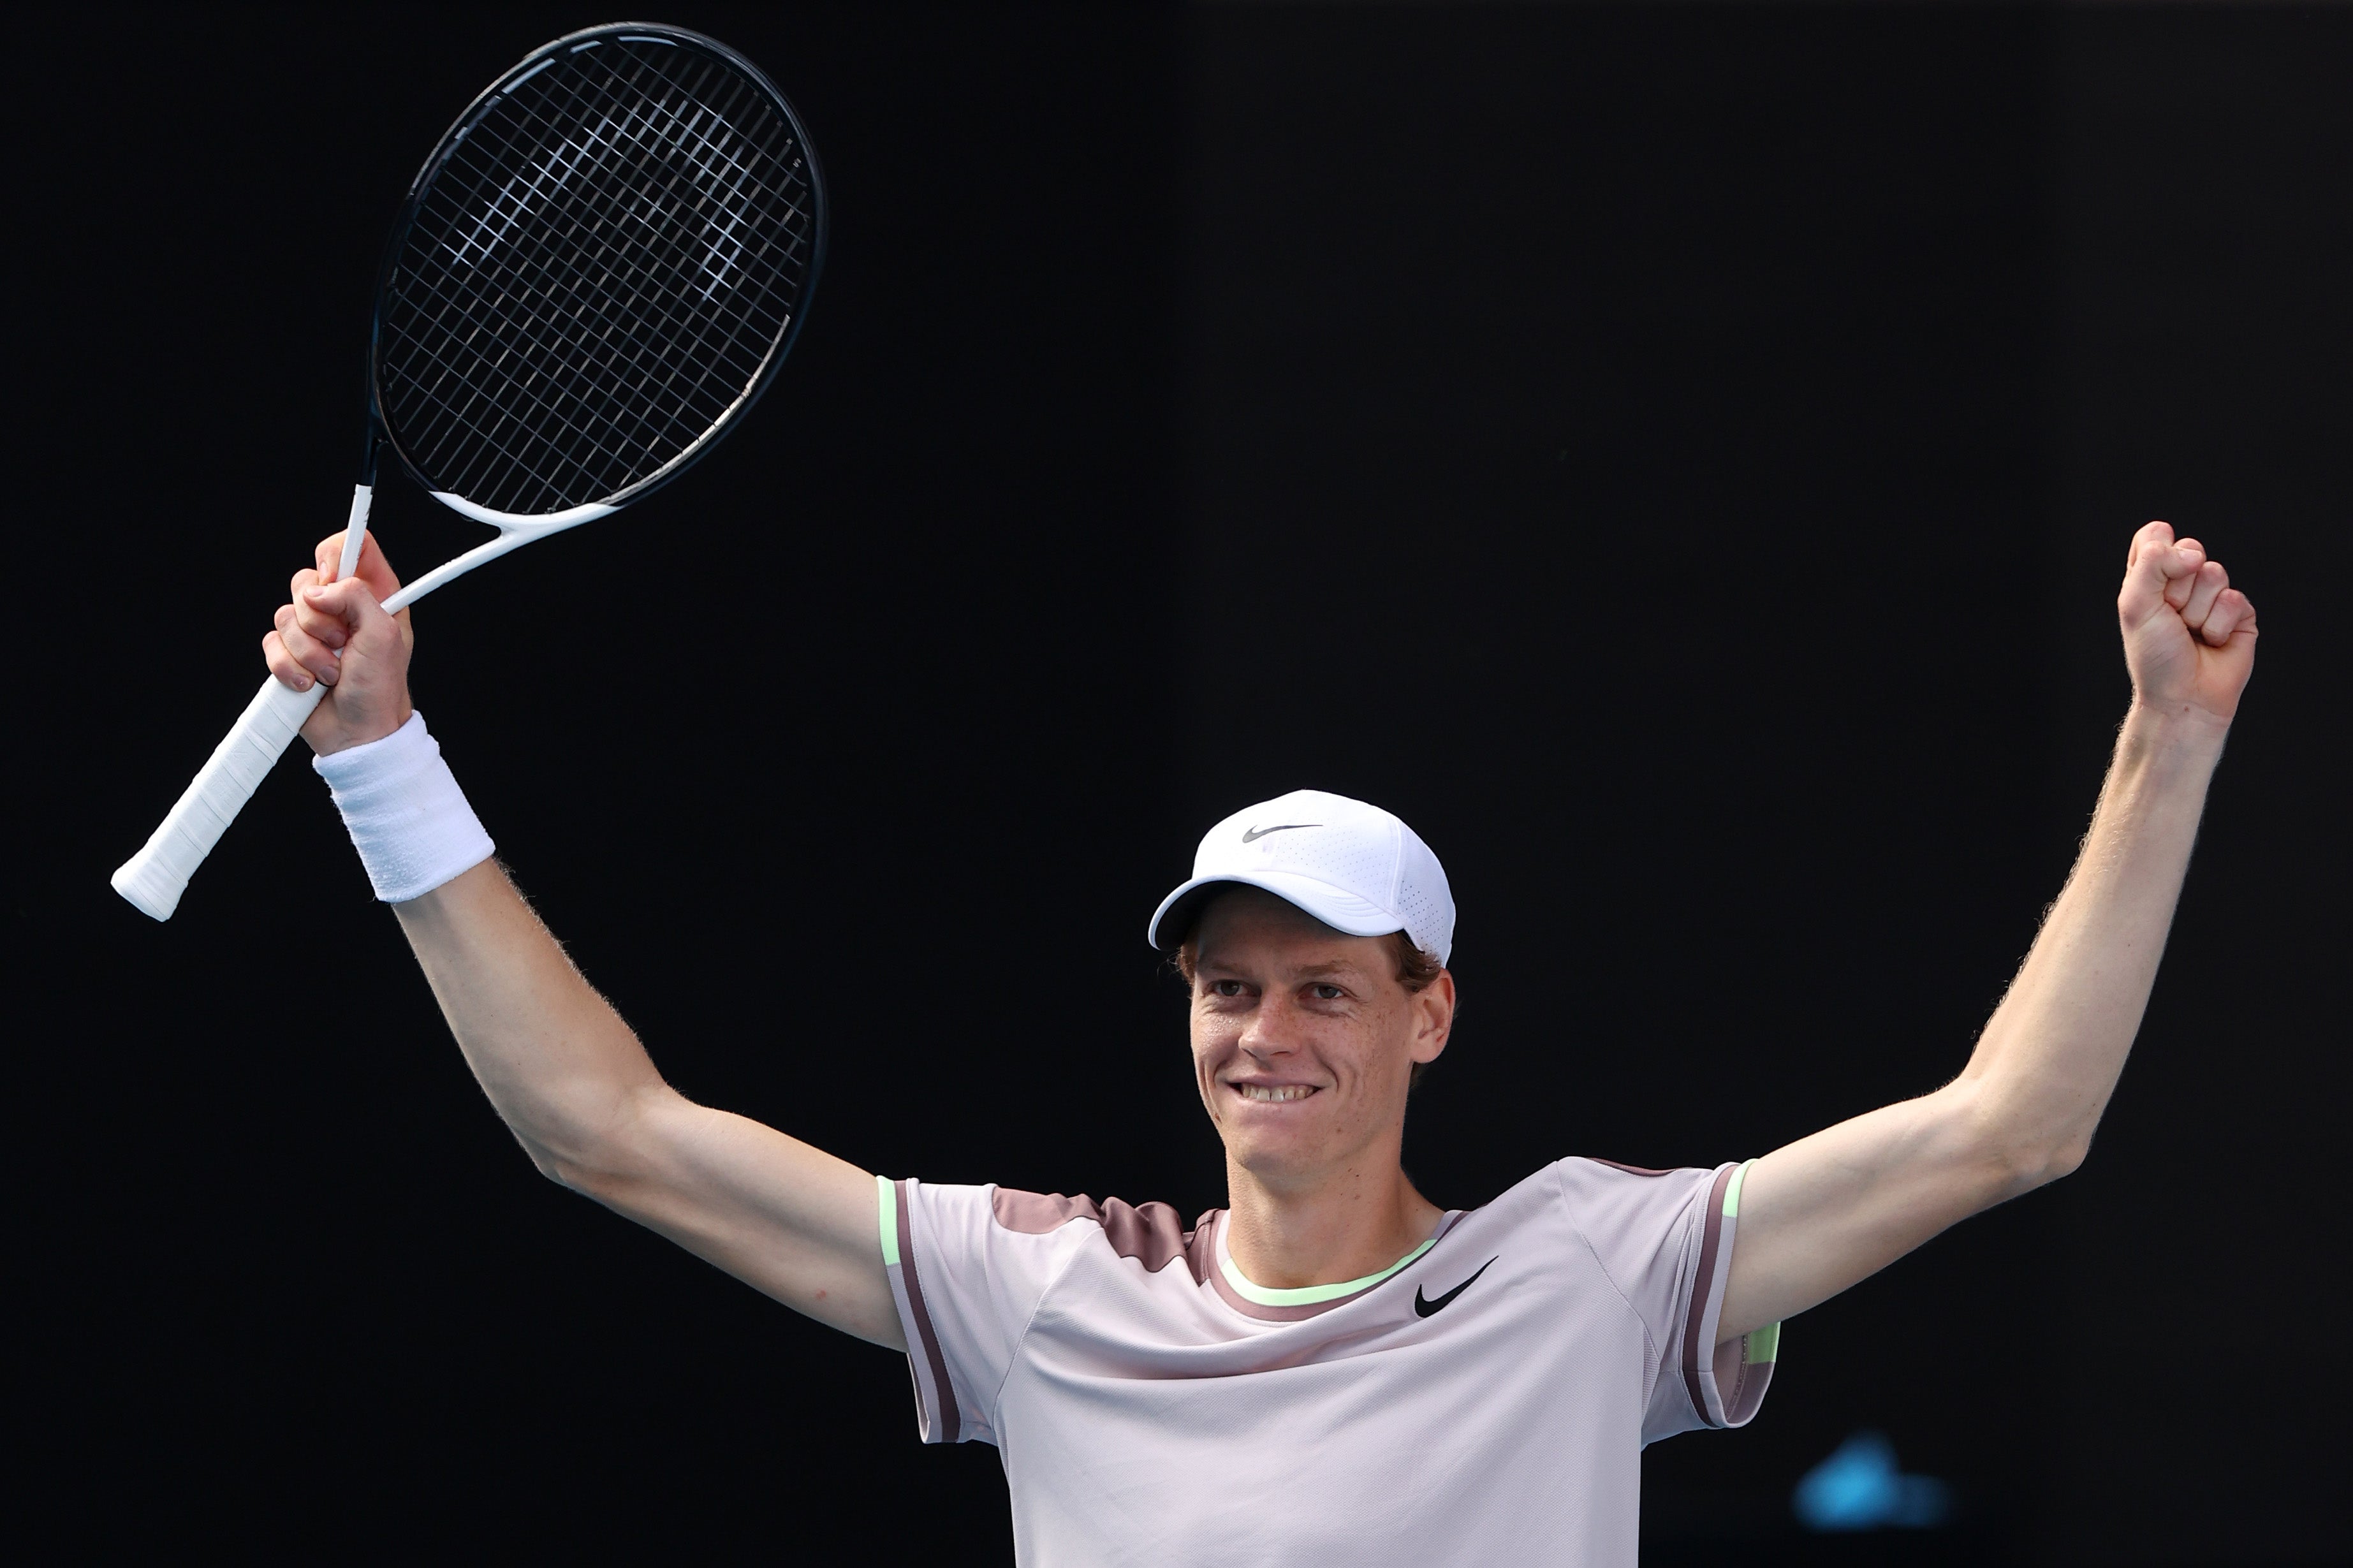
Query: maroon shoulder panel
x=1629 y=1170
x=1152 y=1234
x=1036 y=1213
x=1149 y=1233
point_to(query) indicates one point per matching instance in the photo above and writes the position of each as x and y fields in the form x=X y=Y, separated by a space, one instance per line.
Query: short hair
x=1417 y=966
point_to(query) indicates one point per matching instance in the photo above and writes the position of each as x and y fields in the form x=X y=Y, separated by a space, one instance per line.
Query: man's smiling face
x=1303 y=1039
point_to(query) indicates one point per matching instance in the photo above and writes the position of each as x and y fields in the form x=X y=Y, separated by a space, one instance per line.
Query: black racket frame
x=378 y=435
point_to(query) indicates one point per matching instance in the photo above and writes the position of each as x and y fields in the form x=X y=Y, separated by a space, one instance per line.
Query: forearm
x=2050 y=1057
x=583 y=1098
x=560 y=1066
x=1838 y=1207
x=557 y=1062
x=1824 y=1211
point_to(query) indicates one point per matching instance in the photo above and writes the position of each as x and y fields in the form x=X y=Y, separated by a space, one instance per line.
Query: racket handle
x=154 y=879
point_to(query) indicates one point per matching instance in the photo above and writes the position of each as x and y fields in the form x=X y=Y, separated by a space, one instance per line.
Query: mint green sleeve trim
x=1732 y=1193
x=1757 y=1345
x=886 y=1207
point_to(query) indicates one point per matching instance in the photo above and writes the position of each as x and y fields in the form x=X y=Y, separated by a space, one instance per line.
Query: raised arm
x=1830 y=1210
x=566 y=1074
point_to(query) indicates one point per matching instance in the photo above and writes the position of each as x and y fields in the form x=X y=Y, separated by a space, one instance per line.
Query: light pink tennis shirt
x=1486 y=1399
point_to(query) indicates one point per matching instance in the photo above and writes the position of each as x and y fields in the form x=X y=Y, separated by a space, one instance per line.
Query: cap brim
x=1174 y=921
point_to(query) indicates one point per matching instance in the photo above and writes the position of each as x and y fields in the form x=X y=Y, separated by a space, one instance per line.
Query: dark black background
x=1679 y=457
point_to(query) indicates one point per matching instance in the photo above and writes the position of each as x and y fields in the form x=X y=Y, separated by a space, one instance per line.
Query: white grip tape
x=154 y=879
x=157 y=876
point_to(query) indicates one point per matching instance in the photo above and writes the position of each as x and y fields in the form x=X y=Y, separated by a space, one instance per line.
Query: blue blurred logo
x=1858 y=1488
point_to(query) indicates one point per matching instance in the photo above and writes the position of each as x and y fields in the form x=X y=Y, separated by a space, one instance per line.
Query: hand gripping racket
x=593 y=278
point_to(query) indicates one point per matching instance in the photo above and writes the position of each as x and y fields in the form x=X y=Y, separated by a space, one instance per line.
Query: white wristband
x=406 y=815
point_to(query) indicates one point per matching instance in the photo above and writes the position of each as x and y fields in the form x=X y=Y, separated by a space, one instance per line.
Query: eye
x=1328 y=993
x=1225 y=987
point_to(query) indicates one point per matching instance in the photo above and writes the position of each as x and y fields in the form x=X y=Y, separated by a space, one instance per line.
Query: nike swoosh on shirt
x=1423 y=1307
x=1252 y=835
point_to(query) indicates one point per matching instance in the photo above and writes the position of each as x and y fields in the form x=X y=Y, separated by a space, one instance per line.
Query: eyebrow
x=1310 y=972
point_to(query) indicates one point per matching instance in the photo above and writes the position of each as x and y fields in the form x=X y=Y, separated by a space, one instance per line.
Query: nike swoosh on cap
x=1252 y=835
x=1424 y=1307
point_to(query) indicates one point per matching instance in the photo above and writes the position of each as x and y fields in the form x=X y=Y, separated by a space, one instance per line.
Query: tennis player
x=1332 y=1369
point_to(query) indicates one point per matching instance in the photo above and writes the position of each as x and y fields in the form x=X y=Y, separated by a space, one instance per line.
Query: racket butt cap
x=150 y=891
x=154 y=879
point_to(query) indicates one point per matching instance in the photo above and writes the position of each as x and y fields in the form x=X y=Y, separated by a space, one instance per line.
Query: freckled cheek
x=1349 y=1059
x=1212 y=1046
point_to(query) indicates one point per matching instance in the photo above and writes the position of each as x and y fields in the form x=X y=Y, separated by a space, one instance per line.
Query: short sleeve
x=1665 y=1239
x=966 y=1287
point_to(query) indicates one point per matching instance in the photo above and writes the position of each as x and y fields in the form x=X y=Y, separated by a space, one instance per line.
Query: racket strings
x=485 y=313
x=598 y=272
x=625 y=264
x=546 y=167
x=639 y=273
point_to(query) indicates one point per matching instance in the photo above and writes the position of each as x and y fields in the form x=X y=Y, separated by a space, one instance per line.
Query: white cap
x=1354 y=867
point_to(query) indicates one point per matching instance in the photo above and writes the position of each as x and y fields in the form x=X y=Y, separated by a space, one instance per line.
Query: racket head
x=595 y=276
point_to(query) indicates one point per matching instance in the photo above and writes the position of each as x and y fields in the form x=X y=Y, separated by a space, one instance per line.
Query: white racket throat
x=514 y=532
x=355 y=529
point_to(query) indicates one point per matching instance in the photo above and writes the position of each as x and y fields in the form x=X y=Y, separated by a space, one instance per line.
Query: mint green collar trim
x=1309 y=1295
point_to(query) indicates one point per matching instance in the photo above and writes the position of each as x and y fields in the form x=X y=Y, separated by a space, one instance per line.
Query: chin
x=1273 y=1157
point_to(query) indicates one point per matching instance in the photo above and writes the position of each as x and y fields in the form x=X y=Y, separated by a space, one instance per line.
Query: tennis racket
x=593 y=278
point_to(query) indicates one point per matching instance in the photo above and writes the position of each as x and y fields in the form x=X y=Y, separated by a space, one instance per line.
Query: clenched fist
x=2190 y=637
x=337 y=634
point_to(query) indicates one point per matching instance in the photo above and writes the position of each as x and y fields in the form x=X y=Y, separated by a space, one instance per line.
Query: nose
x=1270 y=1032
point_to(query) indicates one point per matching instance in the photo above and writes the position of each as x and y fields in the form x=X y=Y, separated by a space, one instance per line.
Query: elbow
x=563 y=1173
x=592 y=1171
x=597 y=1153
x=552 y=1157
x=2065 y=1159
x=561 y=1145
x=596 y=1145
x=2039 y=1164
x=2015 y=1158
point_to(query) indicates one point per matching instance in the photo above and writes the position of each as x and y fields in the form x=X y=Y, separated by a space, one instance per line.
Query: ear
x=1433 y=1007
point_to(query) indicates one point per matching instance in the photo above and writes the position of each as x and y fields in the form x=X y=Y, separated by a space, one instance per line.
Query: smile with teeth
x=1274 y=1093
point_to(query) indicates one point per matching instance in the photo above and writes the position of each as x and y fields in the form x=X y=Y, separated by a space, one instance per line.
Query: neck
x=1354 y=1222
